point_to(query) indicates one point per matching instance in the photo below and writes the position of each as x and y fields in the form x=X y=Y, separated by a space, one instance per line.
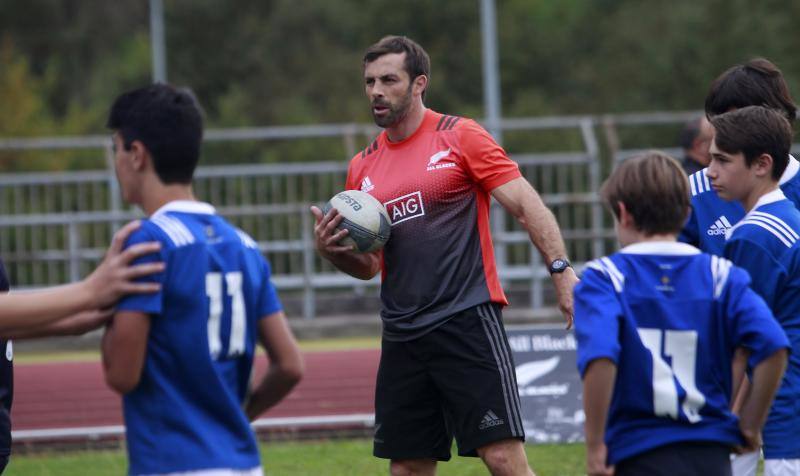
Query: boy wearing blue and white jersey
x=712 y=216
x=755 y=83
x=748 y=155
x=658 y=326
x=182 y=358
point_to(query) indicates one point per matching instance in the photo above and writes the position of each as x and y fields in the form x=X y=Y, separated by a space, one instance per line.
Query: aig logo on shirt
x=405 y=208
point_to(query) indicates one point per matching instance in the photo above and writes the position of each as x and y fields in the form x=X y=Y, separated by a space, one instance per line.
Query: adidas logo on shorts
x=489 y=420
x=719 y=227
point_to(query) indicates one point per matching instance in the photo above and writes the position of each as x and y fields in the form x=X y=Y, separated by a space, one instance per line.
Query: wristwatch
x=559 y=265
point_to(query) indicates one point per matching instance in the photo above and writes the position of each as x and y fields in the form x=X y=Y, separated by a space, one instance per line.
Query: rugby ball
x=365 y=219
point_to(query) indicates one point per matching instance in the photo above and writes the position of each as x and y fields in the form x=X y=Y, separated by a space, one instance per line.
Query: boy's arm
x=762 y=343
x=741 y=386
x=598 y=386
x=124 y=347
x=285 y=365
x=767 y=377
x=111 y=280
x=76 y=324
x=597 y=313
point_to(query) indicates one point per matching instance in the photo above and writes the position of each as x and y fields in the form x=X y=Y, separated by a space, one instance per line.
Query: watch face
x=558 y=265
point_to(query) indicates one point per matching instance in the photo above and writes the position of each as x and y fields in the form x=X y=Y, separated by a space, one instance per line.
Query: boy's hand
x=596 y=461
x=114 y=277
x=752 y=439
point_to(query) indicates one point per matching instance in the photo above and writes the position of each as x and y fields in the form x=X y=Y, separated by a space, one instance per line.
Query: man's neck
x=409 y=125
x=750 y=201
x=163 y=194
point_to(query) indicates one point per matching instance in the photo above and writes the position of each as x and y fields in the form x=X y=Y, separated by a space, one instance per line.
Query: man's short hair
x=654 y=189
x=417 y=61
x=168 y=121
x=753 y=131
x=756 y=83
x=689 y=133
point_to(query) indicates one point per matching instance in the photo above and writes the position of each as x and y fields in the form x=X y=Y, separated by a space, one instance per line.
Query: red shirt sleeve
x=485 y=161
x=351 y=183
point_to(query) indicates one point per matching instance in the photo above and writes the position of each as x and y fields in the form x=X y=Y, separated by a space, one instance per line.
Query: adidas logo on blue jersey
x=490 y=420
x=719 y=227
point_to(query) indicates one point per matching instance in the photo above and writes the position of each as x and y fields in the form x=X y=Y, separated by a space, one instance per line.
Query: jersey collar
x=791 y=170
x=660 y=248
x=186 y=206
x=771 y=197
x=428 y=122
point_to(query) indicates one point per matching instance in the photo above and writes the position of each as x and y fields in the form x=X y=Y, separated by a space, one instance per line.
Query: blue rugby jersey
x=186 y=413
x=670 y=318
x=712 y=216
x=766 y=244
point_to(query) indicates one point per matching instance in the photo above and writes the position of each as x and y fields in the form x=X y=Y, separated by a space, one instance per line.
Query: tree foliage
x=277 y=62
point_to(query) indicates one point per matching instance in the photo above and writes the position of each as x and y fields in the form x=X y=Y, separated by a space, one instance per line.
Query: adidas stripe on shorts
x=456 y=381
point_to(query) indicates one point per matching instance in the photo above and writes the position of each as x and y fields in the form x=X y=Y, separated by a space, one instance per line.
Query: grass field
x=328 y=458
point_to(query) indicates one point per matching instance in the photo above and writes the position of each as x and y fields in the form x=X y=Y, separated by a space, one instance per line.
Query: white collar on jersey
x=791 y=170
x=185 y=206
x=660 y=248
x=771 y=197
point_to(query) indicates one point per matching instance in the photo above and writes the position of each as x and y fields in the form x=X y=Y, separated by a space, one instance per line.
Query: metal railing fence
x=55 y=226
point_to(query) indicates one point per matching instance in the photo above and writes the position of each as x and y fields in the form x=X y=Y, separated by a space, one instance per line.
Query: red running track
x=73 y=394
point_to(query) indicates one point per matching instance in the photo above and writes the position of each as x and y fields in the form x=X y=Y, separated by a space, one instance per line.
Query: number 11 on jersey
x=681 y=346
x=214 y=290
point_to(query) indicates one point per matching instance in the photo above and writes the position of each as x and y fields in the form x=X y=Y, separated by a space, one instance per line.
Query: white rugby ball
x=365 y=218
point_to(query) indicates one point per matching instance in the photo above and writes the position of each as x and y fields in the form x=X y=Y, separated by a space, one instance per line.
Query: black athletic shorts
x=457 y=380
x=691 y=458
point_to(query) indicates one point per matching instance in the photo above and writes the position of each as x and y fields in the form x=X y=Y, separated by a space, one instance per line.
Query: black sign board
x=550 y=388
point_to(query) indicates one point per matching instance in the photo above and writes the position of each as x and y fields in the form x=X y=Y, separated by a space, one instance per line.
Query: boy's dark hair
x=417 y=61
x=654 y=189
x=753 y=131
x=756 y=83
x=168 y=121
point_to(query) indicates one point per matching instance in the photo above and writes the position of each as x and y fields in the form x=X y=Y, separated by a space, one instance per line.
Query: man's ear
x=763 y=165
x=420 y=84
x=140 y=155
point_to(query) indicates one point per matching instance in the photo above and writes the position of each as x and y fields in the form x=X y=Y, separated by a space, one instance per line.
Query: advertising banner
x=549 y=386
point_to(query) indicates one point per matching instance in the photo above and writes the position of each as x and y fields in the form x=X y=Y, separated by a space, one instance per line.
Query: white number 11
x=682 y=347
x=236 y=344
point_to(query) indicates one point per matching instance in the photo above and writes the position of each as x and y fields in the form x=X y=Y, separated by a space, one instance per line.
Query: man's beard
x=396 y=112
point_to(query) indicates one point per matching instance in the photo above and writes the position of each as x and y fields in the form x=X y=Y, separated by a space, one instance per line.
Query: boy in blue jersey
x=658 y=325
x=748 y=156
x=755 y=83
x=182 y=358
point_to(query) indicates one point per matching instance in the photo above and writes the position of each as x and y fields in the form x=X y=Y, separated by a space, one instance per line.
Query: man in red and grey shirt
x=446 y=368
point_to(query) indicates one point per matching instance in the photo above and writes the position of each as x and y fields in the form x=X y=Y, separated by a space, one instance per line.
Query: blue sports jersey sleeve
x=597 y=314
x=269 y=303
x=689 y=233
x=150 y=303
x=753 y=325
x=764 y=271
